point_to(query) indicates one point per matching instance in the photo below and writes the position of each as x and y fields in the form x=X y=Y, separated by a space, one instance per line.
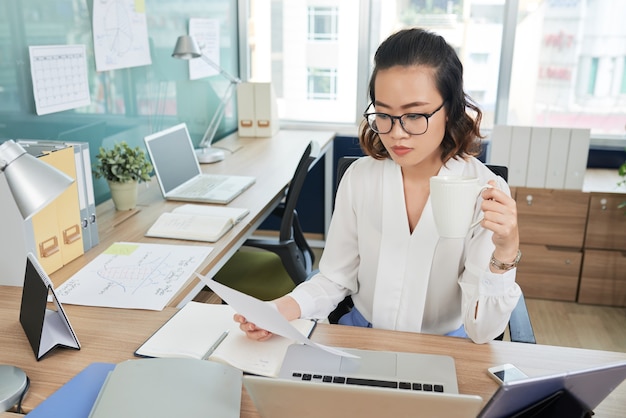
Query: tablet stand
x=45 y=328
x=559 y=404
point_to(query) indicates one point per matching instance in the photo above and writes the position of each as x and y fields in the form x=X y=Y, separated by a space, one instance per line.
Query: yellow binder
x=56 y=228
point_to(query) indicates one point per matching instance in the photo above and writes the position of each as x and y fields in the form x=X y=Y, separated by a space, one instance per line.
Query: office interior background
x=553 y=63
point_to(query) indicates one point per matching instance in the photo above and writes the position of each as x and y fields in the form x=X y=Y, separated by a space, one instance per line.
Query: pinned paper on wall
x=206 y=32
x=120 y=34
x=59 y=74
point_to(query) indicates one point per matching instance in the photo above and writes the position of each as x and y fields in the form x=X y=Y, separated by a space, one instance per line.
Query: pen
x=215 y=345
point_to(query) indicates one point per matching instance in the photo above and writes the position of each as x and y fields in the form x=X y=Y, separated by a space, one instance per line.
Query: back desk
x=272 y=161
x=112 y=335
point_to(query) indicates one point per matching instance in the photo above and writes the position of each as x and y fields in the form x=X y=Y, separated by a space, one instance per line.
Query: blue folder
x=76 y=398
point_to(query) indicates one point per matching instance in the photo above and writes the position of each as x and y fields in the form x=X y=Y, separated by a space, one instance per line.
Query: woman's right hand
x=251 y=330
x=287 y=307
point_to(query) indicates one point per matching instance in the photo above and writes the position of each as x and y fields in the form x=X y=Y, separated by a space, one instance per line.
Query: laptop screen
x=172 y=156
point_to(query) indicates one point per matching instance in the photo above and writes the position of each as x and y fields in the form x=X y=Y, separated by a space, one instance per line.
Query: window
x=528 y=62
x=593 y=75
x=322 y=84
x=322 y=23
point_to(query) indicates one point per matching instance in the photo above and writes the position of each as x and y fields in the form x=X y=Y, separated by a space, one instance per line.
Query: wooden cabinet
x=552 y=232
x=549 y=273
x=552 y=217
x=606 y=225
x=603 y=276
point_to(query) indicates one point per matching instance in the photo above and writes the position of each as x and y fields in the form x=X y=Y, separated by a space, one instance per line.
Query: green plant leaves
x=122 y=164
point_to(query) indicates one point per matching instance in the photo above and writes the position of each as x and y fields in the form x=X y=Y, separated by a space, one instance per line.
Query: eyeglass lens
x=414 y=124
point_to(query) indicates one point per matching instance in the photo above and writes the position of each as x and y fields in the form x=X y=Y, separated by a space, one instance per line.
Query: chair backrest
x=293 y=192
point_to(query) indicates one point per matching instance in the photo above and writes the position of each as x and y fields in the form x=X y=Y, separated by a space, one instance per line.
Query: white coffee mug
x=453 y=199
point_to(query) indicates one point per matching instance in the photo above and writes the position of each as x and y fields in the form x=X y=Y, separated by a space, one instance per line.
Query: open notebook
x=178 y=172
x=194 y=330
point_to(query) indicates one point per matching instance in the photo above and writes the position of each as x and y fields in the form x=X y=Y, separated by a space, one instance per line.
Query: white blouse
x=407 y=281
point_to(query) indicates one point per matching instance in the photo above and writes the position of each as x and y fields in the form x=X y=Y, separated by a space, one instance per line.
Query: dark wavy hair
x=416 y=46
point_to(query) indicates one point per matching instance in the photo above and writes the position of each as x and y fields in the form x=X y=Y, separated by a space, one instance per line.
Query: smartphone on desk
x=506 y=373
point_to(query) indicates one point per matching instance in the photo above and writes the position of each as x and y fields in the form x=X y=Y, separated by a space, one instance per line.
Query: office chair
x=275 y=265
x=520 y=327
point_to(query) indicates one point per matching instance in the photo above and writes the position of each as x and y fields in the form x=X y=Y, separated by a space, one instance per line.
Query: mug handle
x=483 y=188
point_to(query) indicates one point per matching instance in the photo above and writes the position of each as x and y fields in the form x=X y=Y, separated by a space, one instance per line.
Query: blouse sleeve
x=487 y=298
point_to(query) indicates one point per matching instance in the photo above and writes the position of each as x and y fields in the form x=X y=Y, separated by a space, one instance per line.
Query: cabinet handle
x=529 y=199
x=603 y=204
x=568 y=261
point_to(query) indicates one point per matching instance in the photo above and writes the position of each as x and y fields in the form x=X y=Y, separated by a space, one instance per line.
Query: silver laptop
x=415 y=372
x=525 y=397
x=283 y=398
x=178 y=171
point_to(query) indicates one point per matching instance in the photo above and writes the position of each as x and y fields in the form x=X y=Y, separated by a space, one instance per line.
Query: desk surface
x=112 y=335
x=272 y=161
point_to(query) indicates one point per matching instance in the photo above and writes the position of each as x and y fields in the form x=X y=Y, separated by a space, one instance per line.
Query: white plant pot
x=124 y=195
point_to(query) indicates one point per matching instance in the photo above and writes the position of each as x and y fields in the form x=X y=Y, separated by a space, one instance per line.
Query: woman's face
x=400 y=90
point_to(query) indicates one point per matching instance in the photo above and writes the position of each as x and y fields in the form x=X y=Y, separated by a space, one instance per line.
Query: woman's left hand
x=500 y=216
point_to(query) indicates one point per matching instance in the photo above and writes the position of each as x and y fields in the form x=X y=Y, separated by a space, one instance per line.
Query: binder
x=577 y=159
x=45 y=328
x=265 y=110
x=557 y=158
x=170 y=387
x=245 y=109
x=84 y=175
x=257 y=109
x=518 y=162
x=538 y=157
x=75 y=398
x=54 y=233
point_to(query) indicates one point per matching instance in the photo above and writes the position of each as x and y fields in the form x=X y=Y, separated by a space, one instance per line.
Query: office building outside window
x=322 y=84
x=322 y=23
x=527 y=62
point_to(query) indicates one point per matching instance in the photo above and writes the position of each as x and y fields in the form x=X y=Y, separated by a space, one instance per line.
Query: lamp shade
x=186 y=48
x=33 y=183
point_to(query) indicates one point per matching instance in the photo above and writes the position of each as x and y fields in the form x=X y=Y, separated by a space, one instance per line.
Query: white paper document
x=133 y=275
x=59 y=74
x=263 y=315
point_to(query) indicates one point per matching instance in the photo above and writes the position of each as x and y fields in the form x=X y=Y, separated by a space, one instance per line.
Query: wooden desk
x=271 y=160
x=112 y=335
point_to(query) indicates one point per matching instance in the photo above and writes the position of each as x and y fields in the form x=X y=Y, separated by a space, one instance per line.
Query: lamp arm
x=209 y=134
x=216 y=67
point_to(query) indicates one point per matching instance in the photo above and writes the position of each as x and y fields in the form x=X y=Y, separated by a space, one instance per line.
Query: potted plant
x=123 y=167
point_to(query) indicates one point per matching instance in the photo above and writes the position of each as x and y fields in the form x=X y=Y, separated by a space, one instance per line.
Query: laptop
x=415 y=372
x=178 y=171
x=284 y=398
x=582 y=390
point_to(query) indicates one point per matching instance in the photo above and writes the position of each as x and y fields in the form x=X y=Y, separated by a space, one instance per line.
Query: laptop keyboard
x=201 y=185
x=421 y=386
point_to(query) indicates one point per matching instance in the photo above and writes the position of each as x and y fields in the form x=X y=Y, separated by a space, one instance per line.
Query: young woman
x=382 y=247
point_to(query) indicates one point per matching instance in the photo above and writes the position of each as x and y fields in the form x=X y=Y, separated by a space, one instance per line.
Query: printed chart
x=133 y=275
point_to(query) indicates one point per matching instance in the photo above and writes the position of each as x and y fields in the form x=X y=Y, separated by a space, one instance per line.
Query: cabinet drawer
x=547 y=273
x=552 y=217
x=603 y=278
x=606 y=226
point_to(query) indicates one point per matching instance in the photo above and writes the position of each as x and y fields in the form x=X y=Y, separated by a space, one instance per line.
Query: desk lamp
x=186 y=48
x=33 y=184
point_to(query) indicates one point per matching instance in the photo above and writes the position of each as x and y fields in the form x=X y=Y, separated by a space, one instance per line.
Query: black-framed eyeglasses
x=412 y=123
